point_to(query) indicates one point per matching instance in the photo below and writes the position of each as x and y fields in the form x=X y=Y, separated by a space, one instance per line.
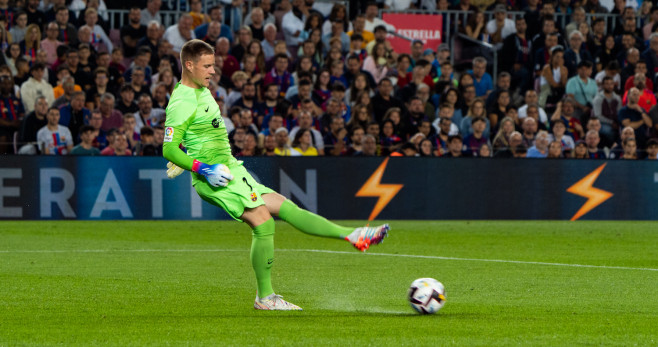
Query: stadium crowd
x=303 y=78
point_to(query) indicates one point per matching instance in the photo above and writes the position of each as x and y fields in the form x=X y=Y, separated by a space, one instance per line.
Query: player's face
x=202 y=70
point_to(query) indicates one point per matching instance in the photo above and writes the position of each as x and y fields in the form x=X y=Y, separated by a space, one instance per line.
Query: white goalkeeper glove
x=173 y=170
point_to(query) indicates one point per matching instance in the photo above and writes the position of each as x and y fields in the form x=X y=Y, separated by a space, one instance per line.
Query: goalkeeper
x=194 y=119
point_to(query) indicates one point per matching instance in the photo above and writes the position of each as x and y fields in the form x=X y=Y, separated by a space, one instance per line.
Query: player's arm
x=217 y=174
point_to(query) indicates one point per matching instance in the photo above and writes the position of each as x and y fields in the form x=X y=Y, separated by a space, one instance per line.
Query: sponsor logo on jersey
x=215 y=123
x=254 y=197
x=169 y=134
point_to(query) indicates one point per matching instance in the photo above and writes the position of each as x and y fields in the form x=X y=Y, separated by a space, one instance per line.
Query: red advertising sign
x=425 y=27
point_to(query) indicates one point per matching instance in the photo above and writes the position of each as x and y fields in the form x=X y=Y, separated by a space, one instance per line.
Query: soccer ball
x=427 y=295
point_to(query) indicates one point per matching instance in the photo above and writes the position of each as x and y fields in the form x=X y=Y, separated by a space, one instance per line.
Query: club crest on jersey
x=254 y=197
x=215 y=123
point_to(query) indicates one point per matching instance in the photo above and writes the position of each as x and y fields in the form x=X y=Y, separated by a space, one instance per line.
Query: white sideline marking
x=327 y=252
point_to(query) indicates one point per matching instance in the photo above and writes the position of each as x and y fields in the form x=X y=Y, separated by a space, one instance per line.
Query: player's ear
x=189 y=65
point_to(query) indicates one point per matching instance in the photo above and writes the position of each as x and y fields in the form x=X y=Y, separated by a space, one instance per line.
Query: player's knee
x=264 y=229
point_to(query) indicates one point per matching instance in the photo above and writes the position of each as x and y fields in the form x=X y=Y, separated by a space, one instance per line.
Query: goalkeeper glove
x=173 y=170
x=217 y=175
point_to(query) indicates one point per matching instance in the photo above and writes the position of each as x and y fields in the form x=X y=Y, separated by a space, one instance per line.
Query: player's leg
x=262 y=257
x=262 y=246
x=303 y=220
x=314 y=224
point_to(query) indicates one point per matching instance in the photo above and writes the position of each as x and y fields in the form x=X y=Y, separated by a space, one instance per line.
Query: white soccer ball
x=427 y=295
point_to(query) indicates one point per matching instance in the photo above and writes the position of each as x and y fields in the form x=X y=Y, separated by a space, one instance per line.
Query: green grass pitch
x=190 y=283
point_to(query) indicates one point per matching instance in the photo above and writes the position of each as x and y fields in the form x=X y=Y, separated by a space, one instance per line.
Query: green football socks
x=311 y=223
x=262 y=256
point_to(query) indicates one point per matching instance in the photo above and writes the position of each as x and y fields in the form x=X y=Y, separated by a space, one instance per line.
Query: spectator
x=476 y=110
x=632 y=55
x=32 y=123
x=559 y=129
x=555 y=150
x=582 y=89
x=476 y=139
x=65 y=89
x=139 y=81
x=455 y=150
x=147 y=115
x=605 y=107
x=32 y=43
x=540 y=148
x=592 y=141
x=128 y=129
x=231 y=64
x=293 y=24
x=337 y=33
x=575 y=55
x=158 y=138
x=196 y=12
x=531 y=98
x=12 y=113
x=501 y=140
x=91 y=20
x=19 y=28
x=647 y=98
x=335 y=139
x=180 y=33
x=86 y=145
x=529 y=127
x=500 y=27
x=553 y=79
x=73 y=115
x=269 y=40
x=640 y=67
x=481 y=78
x=634 y=115
x=368 y=146
x=475 y=27
x=282 y=147
x=373 y=20
x=151 y=12
x=118 y=147
x=303 y=143
x=630 y=149
x=257 y=23
x=67 y=31
x=517 y=49
x=152 y=40
x=35 y=86
x=239 y=79
x=279 y=74
x=50 y=43
x=111 y=118
x=515 y=147
x=82 y=77
x=126 y=102
x=55 y=139
x=499 y=109
x=132 y=32
x=652 y=149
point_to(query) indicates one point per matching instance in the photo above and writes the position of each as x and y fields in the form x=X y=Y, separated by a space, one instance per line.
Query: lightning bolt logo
x=373 y=188
x=595 y=196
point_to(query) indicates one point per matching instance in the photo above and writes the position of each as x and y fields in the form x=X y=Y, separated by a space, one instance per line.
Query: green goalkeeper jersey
x=194 y=119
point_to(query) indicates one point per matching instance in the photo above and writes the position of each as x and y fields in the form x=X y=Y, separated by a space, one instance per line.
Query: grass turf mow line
x=328 y=252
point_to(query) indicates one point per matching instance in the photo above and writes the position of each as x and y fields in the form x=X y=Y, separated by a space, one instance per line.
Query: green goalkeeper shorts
x=242 y=192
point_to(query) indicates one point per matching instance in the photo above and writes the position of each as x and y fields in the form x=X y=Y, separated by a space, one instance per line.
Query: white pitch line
x=476 y=259
x=329 y=252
